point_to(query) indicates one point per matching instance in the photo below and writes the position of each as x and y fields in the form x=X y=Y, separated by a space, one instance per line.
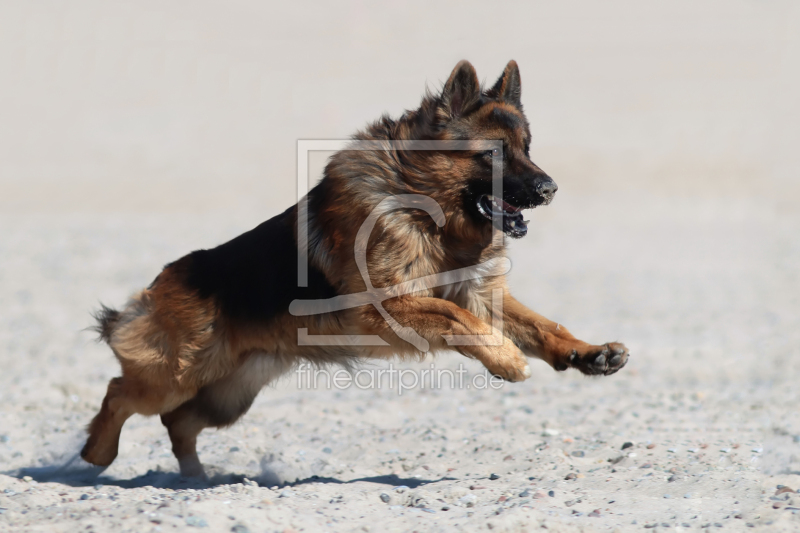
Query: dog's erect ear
x=462 y=90
x=508 y=87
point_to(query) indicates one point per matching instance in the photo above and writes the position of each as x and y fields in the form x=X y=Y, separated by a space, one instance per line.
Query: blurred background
x=154 y=106
x=134 y=132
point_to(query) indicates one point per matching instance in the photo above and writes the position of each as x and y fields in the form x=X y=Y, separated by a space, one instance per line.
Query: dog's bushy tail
x=107 y=319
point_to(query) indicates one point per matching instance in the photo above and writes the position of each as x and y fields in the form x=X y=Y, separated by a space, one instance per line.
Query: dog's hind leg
x=217 y=405
x=103 y=443
x=125 y=396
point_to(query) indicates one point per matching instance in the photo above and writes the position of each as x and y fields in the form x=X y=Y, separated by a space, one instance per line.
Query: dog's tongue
x=505 y=206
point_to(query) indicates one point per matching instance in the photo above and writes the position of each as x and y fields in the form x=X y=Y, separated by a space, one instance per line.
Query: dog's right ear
x=461 y=91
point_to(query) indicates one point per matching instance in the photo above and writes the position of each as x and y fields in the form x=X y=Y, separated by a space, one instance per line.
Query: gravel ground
x=700 y=430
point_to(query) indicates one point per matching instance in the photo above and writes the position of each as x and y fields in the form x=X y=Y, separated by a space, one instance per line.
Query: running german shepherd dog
x=215 y=326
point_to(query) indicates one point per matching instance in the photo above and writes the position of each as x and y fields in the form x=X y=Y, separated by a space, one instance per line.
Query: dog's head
x=463 y=111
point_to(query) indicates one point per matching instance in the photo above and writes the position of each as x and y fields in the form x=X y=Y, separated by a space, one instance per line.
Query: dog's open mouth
x=513 y=223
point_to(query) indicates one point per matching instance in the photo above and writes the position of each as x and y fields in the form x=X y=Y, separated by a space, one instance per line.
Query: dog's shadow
x=76 y=473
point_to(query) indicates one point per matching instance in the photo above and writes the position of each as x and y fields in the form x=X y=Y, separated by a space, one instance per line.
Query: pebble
x=539 y=495
x=672 y=478
x=687 y=495
x=552 y=494
x=385 y=498
x=326 y=450
x=627 y=445
x=570 y=476
x=240 y=528
x=667 y=496
x=468 y=501
x=196 y=521
x=783 y=489
x=578 y=453
x=651 y=446
x=494 y=477
x=84 y=497
x=4 y=438
x=286 y=494
x=796 y=438
x=672 y=450
x=27 y=479
x=525 y=493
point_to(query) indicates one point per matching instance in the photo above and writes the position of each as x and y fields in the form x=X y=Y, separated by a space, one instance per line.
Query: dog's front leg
x=433 y=319
x=552 y=342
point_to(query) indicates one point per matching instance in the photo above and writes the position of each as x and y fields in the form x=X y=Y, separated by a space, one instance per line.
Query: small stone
x=595 y=514
x=240 y=528
x=687 y=495
x=672 y=450
x=672 y=478
x=84 y=497
x=651 y=446
x=326 y=450
x=538 y=495
x=796 y=438
x=494 y=477
x=569 y=476
x=468 y=501
x=525 y=493
x=286 y=494
x=646 y=465
x=196 y=521
x=476 y=487
x=27 y=479
x=552 y=494
x=627 y=445
x=667 y=496
x=4 y=438
x=233 y=449
x=508 y=458
x=578 y=453
x=385 y=498
x=783 y=489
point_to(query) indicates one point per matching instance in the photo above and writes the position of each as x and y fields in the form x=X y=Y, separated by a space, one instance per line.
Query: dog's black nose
x=547 y=188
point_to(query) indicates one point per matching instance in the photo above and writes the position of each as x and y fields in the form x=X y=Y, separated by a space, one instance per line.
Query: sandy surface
x=708 y=400
x=132 y=133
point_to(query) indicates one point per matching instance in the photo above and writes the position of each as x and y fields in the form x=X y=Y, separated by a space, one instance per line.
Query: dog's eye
x=491 y=153
x=528 y=149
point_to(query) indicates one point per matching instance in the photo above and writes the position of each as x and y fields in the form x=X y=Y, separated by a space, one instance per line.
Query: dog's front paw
x=599 y=360
x=508 y=363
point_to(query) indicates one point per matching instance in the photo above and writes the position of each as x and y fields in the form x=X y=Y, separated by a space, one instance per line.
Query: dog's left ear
x=461 y=91
x=508 y=87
